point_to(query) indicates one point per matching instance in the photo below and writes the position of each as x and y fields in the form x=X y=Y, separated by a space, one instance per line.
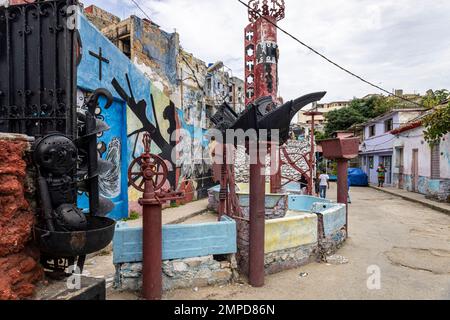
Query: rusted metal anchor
x=148 y=174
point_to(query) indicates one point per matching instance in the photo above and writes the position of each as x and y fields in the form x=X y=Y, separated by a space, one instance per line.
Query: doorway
x=415 y=170
x=399 y=165
x=387 y=162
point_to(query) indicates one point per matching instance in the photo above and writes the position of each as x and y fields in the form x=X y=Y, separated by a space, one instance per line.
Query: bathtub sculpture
x=262 y=114
x=298 y=229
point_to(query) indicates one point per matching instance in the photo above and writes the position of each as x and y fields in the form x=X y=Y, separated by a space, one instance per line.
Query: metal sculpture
x=65 y=233
x=272 y=8
x=342 y=150
x=148 y=174
x=261 y=49
x=261 y=114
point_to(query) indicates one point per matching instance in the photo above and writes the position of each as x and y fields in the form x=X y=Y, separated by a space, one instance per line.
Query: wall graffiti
x=110 y=181
x=139 y=106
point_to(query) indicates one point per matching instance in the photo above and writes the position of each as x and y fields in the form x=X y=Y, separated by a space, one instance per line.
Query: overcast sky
x=401 y=44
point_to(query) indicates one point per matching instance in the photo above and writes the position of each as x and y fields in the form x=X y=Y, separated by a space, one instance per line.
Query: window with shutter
x=435 y=162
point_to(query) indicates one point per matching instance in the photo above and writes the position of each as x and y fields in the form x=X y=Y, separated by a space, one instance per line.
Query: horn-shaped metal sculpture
x=270 y=117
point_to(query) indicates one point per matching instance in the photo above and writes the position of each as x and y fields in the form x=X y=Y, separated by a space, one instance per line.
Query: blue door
x=112 y=146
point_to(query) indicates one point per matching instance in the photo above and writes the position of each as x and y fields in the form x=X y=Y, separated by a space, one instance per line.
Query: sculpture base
x=89 y=289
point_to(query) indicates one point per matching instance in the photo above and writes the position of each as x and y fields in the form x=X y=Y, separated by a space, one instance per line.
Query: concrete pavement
x=179 y=214
x=417 y=198
x=408 y=244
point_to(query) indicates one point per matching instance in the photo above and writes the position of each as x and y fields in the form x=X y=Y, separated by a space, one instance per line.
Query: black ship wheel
x=148 y=167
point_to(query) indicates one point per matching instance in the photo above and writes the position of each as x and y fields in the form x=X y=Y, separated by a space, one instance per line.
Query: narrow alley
x=408 y=242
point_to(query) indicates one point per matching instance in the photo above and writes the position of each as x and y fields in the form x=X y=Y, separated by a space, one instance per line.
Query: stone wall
x=100 y=18
x=278 y=261
x=433 y=189
x=19 y=266
x=180 y=274
x=294 y=148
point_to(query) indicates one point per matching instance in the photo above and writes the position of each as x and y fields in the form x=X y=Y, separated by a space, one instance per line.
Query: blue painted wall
x=334 y=216
x=115 y=141
x=179 y=241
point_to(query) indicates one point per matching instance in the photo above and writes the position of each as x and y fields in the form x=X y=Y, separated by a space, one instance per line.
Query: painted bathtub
x=179 y=241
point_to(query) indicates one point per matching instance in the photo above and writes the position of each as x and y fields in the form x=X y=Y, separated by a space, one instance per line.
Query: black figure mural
x=139 y=109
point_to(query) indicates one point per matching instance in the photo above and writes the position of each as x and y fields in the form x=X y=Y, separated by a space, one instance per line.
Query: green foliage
x=359 y=111
x=133 y=216
x=320 y=135
x=433 y=99
x=437 y=124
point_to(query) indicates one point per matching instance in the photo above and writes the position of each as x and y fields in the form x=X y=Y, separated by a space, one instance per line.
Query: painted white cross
x=250 y=65
x=249 y=35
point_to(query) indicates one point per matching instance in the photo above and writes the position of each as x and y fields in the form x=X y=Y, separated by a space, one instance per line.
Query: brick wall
x=19 y=261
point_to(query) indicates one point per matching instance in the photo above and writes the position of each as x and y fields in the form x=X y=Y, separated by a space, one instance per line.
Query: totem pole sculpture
x=148 y=174
x=261 y=80
x=261 y=63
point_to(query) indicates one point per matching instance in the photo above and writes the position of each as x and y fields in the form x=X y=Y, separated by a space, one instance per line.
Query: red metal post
x=312 y=157
x=341 y=150
x=261 y=79
x=275 y=178
x=151 y=172
x=257 y=223
x=342 y=185
x=152 y=248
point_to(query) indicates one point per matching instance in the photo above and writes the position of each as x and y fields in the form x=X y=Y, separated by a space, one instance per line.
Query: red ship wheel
x=148 y=167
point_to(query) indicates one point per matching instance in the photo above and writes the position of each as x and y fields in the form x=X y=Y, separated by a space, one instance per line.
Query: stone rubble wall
x=295 y=148
x=278 y=261
x=181 y=274
x=19 y=260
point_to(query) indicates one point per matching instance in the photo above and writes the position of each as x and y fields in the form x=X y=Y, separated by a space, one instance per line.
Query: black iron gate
x=38 y=54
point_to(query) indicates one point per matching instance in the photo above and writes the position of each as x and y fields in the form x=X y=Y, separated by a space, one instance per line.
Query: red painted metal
x=250 y=46
x=261 y=49
x=309 y=158
x=342 y=150
x=275 y=8
x=334 y=149
x=342 y=188
x=261 y=79
x=148 y=174
x=257 y=223
x=275 y=178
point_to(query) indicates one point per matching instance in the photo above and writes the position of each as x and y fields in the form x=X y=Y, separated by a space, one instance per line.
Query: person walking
x=381 y=175
x=324 y=184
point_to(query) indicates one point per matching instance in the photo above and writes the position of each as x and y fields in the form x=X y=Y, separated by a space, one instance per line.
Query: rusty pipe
x=151 y=244
x=257 y=223
x=342 y=186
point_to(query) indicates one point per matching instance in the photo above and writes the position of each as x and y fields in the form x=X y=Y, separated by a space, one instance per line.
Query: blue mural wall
x=113 y=144
x=139 y=107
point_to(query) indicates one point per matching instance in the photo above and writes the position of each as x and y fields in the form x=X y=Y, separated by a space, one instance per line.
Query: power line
x=142 y=10
x=148 y=17
x=326 y=58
